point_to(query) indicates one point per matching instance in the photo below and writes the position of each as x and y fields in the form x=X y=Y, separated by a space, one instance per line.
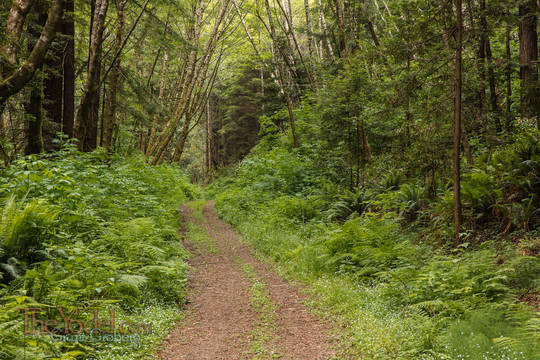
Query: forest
x=270 y=179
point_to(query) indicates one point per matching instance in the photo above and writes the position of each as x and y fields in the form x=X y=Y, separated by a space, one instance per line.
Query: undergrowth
x=82 y=231
x=382 y=259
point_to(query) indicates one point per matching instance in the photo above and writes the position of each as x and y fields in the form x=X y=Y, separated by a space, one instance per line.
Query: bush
x=367 y=246
x=24 y=230
x=350 y=205
x=295 y=209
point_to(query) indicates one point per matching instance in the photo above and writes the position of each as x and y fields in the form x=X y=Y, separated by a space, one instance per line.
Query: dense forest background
x=390 y=144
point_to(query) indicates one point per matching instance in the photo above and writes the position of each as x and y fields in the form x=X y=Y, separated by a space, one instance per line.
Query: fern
x=350 y=205
x=23 y=230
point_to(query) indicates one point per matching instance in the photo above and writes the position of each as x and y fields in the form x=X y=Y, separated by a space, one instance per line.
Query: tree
x=109 y=118
x=59 y=82
x=68 y=111
x=528 y=58
x=457 y=122
x=86 y=125
x=14 y=81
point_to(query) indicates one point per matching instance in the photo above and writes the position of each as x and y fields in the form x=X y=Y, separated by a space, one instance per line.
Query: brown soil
x=220 y=319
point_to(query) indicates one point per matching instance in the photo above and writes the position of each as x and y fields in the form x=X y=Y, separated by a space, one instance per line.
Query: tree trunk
x=290 y=29
x=494 y=101
x=68 y=111
x=341 y=28
x=34 y=114
x=88 y=115
x=284 y=85
x=197 y=104
x=18 y=79
x=482 y=106
x=15 y=22
x=164 y=70
x=109 y=119
x=33 y=106
x=52 y=91
x=528 y=56
x=208 y=139
x=196 y=75
x=509 y=117
x=309 y=29
x=457 y=124
x=324 y=28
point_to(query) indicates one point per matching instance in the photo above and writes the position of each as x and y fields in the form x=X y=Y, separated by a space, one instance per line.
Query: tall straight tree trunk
x=309 y=29
x=52 y=91
x=341 y=28
x=481 y=64
x=33 y=106
x=528 y=58
x=494 y=101
x=208 y=138
x=34 y=113
x=109 y=119
x=68 y=111
x=457 y=123
x=86 y=127
x=509 y=117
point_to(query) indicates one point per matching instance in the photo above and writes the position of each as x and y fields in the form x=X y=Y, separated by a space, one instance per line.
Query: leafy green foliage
x=350 y=205
x=426 y=301
x=79 y=230
x=24 y=230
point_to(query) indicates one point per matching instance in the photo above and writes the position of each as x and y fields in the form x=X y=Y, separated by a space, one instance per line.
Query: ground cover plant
x=89 y=232
x=375 y=257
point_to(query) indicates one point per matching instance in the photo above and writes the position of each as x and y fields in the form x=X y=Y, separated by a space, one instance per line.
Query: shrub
x=295 y=209
x=350 y=205
x=480 y=193
x=367 y=246
x=92 y=232
x=24 y=230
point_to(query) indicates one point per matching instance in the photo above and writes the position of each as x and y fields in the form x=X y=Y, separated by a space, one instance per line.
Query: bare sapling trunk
x=457 y=124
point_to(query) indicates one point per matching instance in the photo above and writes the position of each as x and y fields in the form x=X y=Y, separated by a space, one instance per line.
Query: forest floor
x=238 y=306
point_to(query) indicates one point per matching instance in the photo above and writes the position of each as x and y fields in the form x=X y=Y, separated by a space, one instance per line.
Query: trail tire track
x=220 y=320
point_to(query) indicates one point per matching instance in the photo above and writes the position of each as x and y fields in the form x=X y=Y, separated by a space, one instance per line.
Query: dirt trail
x=221 y=319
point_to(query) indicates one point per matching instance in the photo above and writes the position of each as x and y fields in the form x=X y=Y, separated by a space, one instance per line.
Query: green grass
x=373 y=329
x=200 y=239
x=369 y=327
x=197 y=207
x=163 y=320
x=263 y=343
